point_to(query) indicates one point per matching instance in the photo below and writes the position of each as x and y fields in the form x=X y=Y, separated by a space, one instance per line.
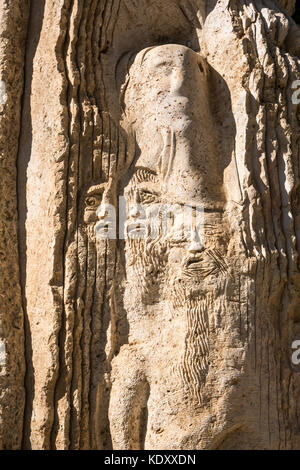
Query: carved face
x=173 y=269
x=177 y=264
x=90 y=203
x=166 y=103
x=170 y=242
x=166 y=100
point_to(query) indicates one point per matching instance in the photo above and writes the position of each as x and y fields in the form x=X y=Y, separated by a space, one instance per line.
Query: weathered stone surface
x=13 y=26
x=172 y=340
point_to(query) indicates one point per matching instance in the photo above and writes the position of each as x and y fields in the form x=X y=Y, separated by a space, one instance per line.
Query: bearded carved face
x=175 y=263
x=170 y=243
x=173 y=266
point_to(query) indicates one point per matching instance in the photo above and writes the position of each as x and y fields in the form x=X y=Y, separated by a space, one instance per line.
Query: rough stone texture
x=174 y=342
x=13 y=27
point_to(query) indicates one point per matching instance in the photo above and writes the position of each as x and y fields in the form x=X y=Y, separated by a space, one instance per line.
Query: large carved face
x=171 y=243
x=166 y=102
x=174 y=267
x=174 y=264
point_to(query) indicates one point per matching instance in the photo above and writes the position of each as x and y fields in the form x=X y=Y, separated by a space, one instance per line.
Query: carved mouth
x=209 y=263
x=194 y=262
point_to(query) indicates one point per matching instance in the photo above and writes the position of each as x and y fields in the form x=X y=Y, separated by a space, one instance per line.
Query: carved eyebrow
x=146 y=52
x=214 y=210
x=148 y=191
x=144 y=175
x=95 y=191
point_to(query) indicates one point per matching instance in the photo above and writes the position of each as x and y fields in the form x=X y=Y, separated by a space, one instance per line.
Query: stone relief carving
x=178 y=339
x=171 y=277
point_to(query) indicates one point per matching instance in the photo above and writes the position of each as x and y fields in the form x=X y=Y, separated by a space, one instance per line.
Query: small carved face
x=99 y=216
x=91 y=202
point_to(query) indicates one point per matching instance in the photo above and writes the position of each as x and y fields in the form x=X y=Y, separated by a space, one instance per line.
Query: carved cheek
x=90 y=216
x=175 y=257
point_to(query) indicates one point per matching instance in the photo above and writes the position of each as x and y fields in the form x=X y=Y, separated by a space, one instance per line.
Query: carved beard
x=193 y=367
x=148 y=260
x=190 y=296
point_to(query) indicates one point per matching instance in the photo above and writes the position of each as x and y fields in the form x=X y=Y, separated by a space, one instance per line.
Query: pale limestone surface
x=13 y=21
x=179 y=341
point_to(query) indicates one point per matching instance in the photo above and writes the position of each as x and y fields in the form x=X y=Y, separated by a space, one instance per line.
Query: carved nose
x=101 y=212
x=134 y=212
x=195 y=246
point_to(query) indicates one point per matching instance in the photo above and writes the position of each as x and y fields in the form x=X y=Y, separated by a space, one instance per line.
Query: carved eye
x=146 y=197
x=91 y=201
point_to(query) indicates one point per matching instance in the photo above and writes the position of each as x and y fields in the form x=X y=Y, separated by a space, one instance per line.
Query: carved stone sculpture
x=150 y=225
x=171 y=277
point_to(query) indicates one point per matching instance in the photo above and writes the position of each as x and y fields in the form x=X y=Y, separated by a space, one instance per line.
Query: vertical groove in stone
x=42 y=261
x=13 y=31
x=81 y=347
x=60 y=431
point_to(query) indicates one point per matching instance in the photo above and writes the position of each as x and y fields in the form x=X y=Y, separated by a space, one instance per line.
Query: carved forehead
x=95 y=190
x=174 y=55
